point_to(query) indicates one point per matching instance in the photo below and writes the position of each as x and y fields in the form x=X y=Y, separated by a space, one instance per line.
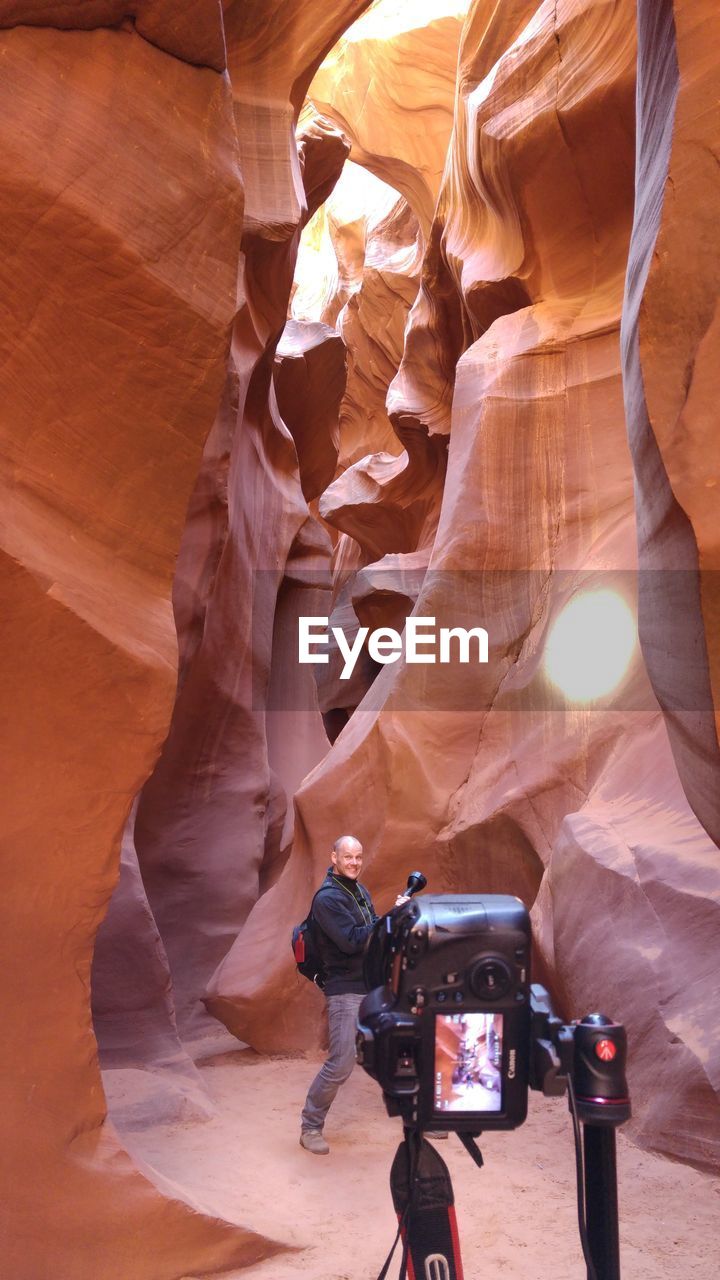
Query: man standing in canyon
x=344 y=916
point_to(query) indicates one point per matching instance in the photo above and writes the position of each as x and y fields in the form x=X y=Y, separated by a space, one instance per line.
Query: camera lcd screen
x=468 y=1058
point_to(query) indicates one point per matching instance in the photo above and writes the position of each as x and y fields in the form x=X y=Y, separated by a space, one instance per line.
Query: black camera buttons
x=442 y=997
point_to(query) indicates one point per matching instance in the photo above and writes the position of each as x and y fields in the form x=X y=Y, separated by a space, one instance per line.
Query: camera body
x=446 y=1027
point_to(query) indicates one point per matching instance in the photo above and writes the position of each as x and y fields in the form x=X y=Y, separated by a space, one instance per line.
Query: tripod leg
x=601 y=1201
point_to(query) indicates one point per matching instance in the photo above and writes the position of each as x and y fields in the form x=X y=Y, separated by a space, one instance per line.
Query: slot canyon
x=355 y=312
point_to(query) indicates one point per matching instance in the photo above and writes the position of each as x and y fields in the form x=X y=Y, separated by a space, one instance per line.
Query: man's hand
x=401 y=899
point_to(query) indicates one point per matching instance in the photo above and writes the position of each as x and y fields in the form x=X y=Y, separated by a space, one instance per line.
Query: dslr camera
x=454 y=1032
x=446 y=1028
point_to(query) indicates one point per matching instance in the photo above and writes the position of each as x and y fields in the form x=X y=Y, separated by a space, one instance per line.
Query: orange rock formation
x=488 y=780
x=206 y=851
x=119 y=280
x=183 y=477
x=123 y=207
x=670 y=358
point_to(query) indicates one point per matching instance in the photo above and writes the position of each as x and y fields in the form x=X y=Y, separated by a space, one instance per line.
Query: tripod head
x=587 y=1057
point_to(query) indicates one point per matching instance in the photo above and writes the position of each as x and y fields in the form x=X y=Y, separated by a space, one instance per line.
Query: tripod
x=585 y=1059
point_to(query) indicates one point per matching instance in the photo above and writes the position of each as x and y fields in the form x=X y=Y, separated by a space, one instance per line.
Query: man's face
x=347 y=861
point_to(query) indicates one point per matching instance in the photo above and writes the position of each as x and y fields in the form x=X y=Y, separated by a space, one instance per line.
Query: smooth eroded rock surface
x=202 y=441
x=491 y=778
x=119 y=285
x=214 y=819
x=671 y=352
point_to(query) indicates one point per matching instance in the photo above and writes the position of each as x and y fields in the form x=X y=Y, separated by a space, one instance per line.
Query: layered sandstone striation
x=194 y=34
x=215 y=817
x=670 y=353
x=393 y=70
x=489 y=778
x=121 y=259
x=119 y=275
x=446 y=425
x=390 y=85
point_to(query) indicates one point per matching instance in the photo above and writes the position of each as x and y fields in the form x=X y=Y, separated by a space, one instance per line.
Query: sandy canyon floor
x=516 y=1217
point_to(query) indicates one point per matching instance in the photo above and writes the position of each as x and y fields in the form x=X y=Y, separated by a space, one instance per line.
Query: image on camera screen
x=468 y=1057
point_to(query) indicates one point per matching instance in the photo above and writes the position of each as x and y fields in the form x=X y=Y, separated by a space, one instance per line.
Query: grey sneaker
x=312 y=1140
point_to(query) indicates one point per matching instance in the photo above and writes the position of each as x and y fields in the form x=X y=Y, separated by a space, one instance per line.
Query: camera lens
x=490 y=978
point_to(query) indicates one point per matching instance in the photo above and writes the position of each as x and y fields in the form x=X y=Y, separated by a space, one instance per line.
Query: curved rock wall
x=123 y=207
x=119 y=276
x=358 y=270
x=212 y=822
x=389 y=84
x=670 y=362
x=156 y=421
x=491 y=781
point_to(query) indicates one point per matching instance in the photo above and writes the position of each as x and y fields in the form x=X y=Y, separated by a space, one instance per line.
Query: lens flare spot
x=590 y=645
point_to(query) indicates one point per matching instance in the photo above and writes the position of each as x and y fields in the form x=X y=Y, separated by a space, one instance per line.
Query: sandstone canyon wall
x=491 y=781
x=120 y=288
x=128 y=163
x=214 y=819
x=670 y=360
x=451 y=427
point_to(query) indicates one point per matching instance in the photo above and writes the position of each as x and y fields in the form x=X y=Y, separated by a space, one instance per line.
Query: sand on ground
x=517 y=1216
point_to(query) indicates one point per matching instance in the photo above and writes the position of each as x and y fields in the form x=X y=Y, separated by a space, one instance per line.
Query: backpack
x=306 y=950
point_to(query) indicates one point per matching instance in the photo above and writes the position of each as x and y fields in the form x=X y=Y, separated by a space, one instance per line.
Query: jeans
x=342 y=1025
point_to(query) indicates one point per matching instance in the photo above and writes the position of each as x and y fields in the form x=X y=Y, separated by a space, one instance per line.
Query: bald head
x=346 y=857
x=345 y=843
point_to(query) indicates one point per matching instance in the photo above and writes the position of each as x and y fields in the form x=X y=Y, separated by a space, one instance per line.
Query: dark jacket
x=344 y=916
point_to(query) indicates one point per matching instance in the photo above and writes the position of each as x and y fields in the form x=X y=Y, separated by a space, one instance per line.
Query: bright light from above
x=590 y=645
x=359 y=197
x=388 y=18
x=358 y=193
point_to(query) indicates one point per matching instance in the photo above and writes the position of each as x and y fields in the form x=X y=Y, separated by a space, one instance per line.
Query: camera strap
x=424 y=1202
